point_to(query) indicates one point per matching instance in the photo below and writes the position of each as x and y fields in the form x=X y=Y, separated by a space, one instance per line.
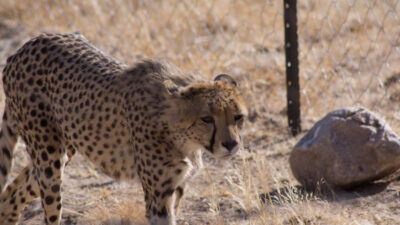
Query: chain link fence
x=349 y=55
x=349 y=49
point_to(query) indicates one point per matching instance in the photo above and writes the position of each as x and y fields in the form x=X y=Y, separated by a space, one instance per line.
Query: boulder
x=348 y=147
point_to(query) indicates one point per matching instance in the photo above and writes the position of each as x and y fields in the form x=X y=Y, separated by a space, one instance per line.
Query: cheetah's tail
x=8 y=140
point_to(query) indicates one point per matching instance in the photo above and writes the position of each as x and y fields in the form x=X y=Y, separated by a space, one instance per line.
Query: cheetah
x=150 y=122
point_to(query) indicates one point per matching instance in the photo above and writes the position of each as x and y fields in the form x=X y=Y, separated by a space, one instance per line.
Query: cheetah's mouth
x=223 y=154
x=226 y=156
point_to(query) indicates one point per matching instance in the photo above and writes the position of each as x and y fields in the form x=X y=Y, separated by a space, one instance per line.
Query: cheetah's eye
x=238 y=117
x=207 y=119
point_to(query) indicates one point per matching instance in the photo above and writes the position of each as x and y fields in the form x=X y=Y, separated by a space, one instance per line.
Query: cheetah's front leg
x=161 y=201
x=50 y=185
x=49 y=157
x=161 y=210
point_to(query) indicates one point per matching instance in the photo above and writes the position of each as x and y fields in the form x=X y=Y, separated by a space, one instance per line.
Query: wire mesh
x=349 y=56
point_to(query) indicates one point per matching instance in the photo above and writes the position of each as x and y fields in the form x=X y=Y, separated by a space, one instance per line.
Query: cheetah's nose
x=230 y=144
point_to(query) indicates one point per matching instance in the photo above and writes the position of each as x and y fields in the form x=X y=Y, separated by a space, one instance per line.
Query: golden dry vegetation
x=349 y=55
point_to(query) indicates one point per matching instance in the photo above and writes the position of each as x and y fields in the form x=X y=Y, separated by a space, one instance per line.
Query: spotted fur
x=150 y=121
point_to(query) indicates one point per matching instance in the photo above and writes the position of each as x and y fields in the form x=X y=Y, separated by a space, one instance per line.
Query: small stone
x=348 y=147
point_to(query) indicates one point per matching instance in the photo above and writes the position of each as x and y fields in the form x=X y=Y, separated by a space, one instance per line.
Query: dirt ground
x=256 y=186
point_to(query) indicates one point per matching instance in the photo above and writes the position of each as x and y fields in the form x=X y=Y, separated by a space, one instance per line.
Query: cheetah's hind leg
x=20 y=192
x=8 y=140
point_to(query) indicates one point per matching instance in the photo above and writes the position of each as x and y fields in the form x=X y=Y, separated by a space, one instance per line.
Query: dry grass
x=349 y=54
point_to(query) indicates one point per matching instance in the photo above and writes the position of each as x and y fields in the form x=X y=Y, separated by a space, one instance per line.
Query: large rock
x=346 y=148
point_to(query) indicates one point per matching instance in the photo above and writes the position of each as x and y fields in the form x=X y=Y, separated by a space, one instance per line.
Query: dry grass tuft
x=120 y=212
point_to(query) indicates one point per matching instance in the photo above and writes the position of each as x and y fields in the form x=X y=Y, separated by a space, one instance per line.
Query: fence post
x=292 y=66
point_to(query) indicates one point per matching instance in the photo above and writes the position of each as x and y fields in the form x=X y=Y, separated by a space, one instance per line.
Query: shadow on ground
x=291 y=194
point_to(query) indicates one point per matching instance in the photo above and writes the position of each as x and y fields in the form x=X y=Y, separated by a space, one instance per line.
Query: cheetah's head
x=209 y=114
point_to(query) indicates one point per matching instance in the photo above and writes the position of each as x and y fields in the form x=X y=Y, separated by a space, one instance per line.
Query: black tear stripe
x=210 y=147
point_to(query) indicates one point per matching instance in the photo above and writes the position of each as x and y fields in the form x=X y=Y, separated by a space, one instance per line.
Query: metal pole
x=292 y=66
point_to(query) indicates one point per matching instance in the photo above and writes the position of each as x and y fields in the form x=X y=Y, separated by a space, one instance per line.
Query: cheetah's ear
x=226 y=78
x=171 y=87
